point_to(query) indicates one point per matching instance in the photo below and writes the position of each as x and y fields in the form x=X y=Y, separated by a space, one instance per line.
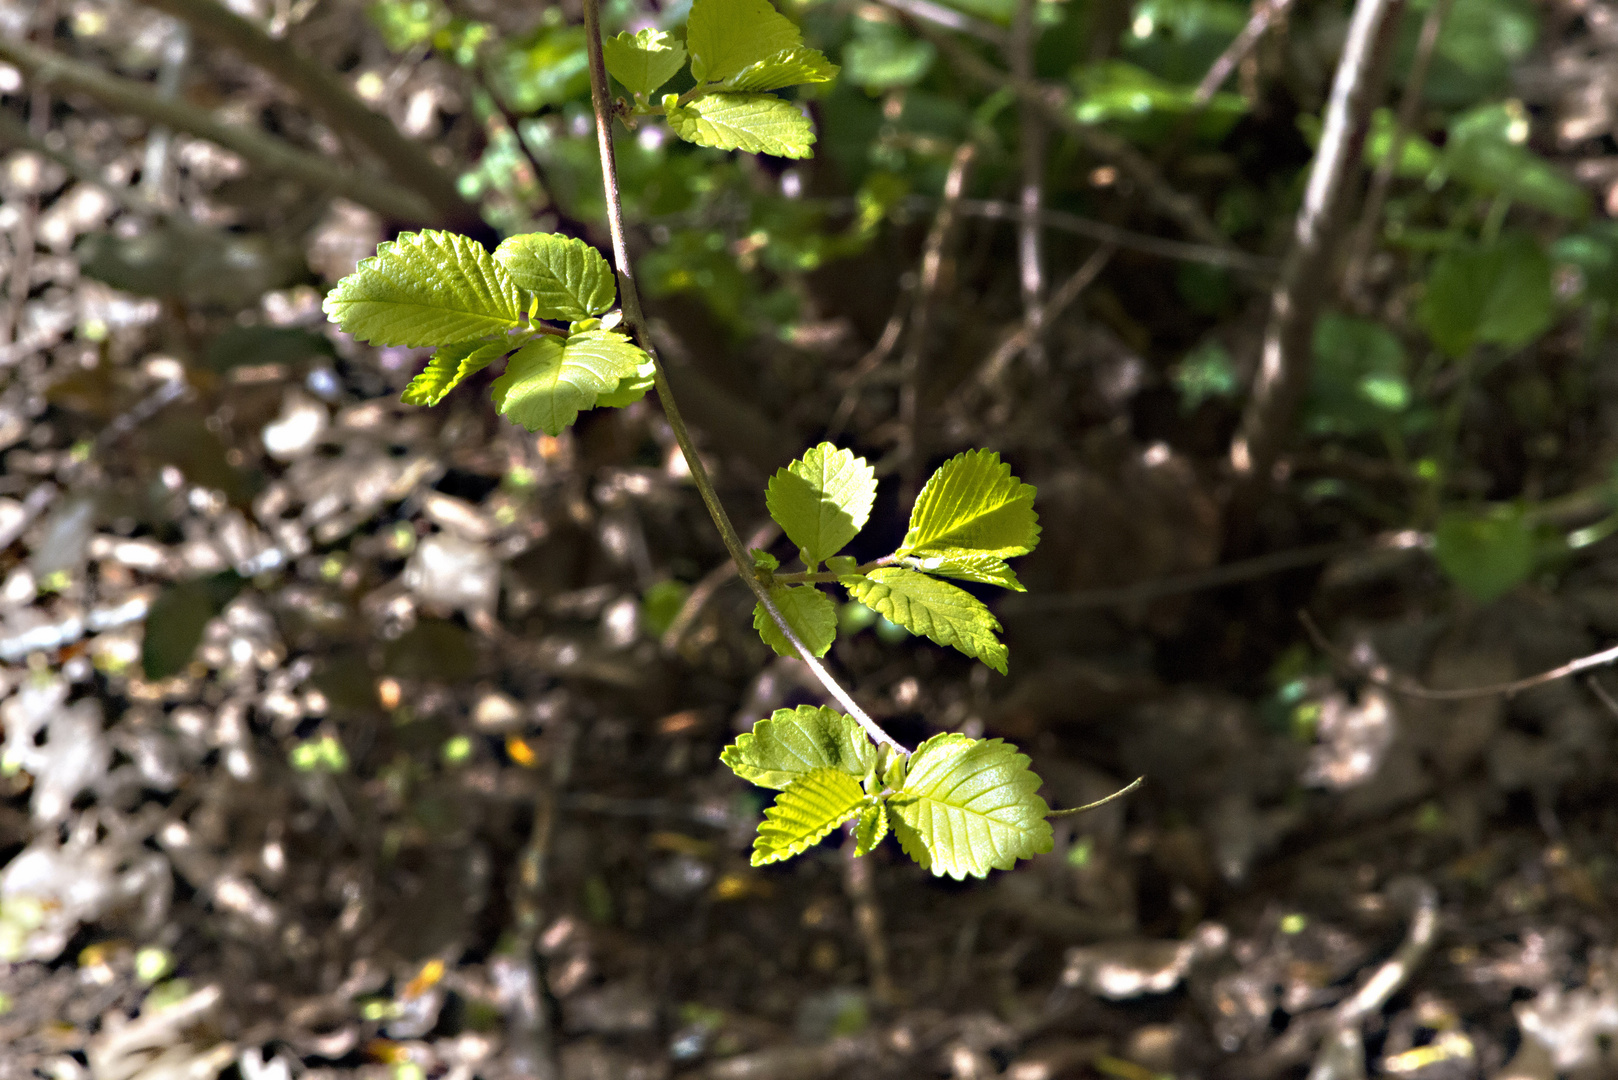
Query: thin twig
x=703 y=591
x=1057 y=106
x=1031 y=159
x=1099 y=803
x=1401 y=684
x=1359 y=248
x=1225 y=256
x=872 y=360
x=48 y=68
x=950 y=19
x=409 y=163
x=1263 y=15
x=1060 y=301
x=1602 y=694
x=635 y=320
x=1342 y=1053
x=910 y=450
x=1284 y=362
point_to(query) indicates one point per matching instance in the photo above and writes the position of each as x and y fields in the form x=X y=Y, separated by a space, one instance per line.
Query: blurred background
x=350 y=738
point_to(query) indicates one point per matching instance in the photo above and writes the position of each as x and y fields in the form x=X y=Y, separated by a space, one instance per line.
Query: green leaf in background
x=1594 y=252
x=1359 y=378
x=967 y=565
x=794 y=742
x=810 y=613
x=1486 y=555
x=1147 y=107
x=805 y=813
x=725 y=36
x=1417 y=157
x=883 y=57
x=450 y=365
x=253 y=346
x=546 y=67
x=933 y=609
x=643 y=61
x=870 y=829
x=570 y=279
x=1499 y=294
x=789 y=67
x=969 y=806
x=1481 y=41
x=1487 y=149
x=546 y=383
x=177 y=619
x=1208 y=372
x=973 y=503
x=822 y=500
x=755 y=123
x=425 y=288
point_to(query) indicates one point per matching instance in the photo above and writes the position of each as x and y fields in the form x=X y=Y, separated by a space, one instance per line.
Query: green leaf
x=969 y=806
x=569 y=279
x=948 y=615
x=1486 y=555
x=883 y=57
x=425 y=288
x=810 y=613
x=809 y=809
x=547 y=383
x=756 y=123
x=1498 y=294
x=726 y=36
x=643 y=61
x=1487 y=149
x=870 y=829
x=822 y=500
x=1359 y=379
x=966 y=565
x=631 y=388
x=794 y=742
x=449 y=365
x=789 y=67
x=974 y=503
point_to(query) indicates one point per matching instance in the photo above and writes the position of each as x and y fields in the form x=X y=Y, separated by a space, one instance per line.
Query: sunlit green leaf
x=789 y=67
x=425 y=288
x=726 y=36
x=450 y=365
x=756 y=123
x=969 y=806
x=883 y=57
x=546 y=383
x=822 y=500
x=967 y=565
x=794 y=742
x=805 y=813
x=933 y=609
x=810 y=613
x=631 y=388
x=871 y=828
x=643 y=61
x=974 y=503
x=568 y=278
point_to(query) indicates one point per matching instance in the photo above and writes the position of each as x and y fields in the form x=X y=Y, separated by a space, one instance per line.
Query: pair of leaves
x=439 y=288
x=970 y=517
x=739 y=51
x=958 y=806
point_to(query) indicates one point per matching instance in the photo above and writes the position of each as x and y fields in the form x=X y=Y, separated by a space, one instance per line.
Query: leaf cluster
x=958 y=806
x=971 y=517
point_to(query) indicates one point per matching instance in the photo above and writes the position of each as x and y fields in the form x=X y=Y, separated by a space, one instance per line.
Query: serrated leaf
x=547 y=383
x=631 y=388
x=756 y=123
x=794 y=742
x=451 y=364
x=425 y=288
x=810 y=613
x=979 y=566
x=726 y=36
x=809 y=809
x=568 y=278
x=789 y=67
x=934 y=609
x=822 y=500
x=973 y=503
x=870 y=829
x=643 y=61
x=969 y=806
